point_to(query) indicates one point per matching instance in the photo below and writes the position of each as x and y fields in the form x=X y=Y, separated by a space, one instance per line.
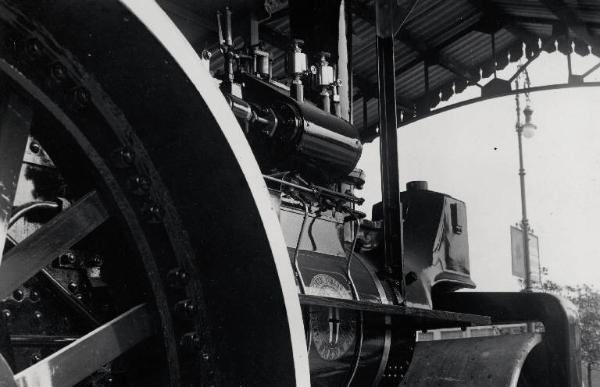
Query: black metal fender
x=556 y=361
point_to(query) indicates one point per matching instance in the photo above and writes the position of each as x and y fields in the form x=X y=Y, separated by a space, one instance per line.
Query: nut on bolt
x=127 y=156
x=185 y=308
x=177 y=278
x=34 y=49
x=34 y=295
x=58 y=72
x=81 y=97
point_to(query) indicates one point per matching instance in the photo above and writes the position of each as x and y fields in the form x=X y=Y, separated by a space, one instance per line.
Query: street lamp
x=526 y=130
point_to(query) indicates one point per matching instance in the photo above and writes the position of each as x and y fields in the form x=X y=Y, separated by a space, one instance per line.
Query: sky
x=471 y=154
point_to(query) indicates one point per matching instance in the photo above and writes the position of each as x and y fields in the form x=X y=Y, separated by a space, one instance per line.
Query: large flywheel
x=138 y=230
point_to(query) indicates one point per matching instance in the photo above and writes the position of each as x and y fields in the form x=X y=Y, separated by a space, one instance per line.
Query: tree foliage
x=587 y=300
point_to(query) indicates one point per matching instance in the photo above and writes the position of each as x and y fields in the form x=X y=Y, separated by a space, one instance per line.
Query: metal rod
x=390 y=186
x=358 y=349
x=316 y=190
x=349 y=261
x=22 y=210
x=297 y=250
x=591 y=70
x=41 y=340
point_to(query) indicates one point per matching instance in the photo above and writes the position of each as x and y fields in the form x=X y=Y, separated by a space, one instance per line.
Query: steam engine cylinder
x=292 y=136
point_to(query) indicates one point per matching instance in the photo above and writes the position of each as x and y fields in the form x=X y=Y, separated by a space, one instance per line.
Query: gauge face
x=333 y=330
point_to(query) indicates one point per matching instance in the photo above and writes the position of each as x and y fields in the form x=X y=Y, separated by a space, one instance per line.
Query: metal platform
x=421 y=318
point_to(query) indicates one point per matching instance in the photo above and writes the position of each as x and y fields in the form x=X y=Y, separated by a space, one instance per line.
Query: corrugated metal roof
x=455 y=35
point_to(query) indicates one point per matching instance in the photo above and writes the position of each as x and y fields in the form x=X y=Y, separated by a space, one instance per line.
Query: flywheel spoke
x=15 y=123
x=84 y=356
x=43 y=246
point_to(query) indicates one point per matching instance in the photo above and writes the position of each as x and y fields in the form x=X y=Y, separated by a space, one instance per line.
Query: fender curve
x=557 y=360
x=482 y=361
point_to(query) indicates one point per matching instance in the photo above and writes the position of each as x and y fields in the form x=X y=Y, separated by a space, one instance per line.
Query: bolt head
x=36 y=357
x=34 y=295
x=73 y=287
x=34 y=49
x=58 y=72
x=37 y=316
x=18 y=294
x=34 y=147
x=127 y=156
x=177 y=278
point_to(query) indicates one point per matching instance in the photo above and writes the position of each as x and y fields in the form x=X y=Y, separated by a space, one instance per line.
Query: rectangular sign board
x=518 y=255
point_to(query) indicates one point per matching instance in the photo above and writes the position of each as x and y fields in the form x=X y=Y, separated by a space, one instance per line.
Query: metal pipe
x=24 y=209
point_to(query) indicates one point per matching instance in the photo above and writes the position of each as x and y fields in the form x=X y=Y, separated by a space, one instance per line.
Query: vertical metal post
x=15 y=121
x=589 y=374
x=524 y=220
x=390 y=186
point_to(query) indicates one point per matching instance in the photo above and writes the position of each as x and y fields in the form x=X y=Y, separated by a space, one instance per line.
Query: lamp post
x=526 y=130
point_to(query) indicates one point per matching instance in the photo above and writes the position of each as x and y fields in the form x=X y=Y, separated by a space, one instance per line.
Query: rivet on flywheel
x=177 y=278
x=81 y=97
x=37 y=316
x=58 y=72
x=185 y=308
x=33 y=49
x=125 y=158
x=34 y=295
x=73 y=287
x=152 y=212
x=6 y=313
x=140 y=184
x=18 y=294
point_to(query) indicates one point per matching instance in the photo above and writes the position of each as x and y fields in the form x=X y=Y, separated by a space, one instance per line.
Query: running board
x=421 y=318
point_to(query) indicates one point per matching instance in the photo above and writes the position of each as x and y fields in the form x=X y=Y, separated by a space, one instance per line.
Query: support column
x=390 y=186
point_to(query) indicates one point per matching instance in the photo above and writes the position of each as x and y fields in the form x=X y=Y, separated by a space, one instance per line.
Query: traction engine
x=182 y=215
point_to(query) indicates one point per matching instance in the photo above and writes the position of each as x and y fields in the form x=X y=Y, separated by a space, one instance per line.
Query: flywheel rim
x=292 y=367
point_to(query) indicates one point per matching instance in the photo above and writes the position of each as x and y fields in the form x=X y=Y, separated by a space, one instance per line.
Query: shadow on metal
x=481 y=361
x=557 y=359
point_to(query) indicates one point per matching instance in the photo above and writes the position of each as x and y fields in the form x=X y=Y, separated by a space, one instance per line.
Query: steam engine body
x=198 y=210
